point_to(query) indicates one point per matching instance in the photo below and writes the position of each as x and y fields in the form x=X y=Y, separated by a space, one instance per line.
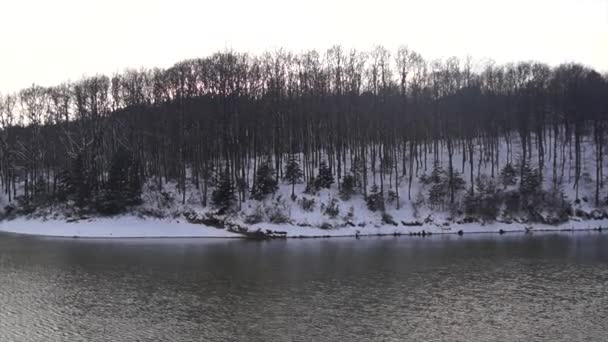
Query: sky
x=48 y=42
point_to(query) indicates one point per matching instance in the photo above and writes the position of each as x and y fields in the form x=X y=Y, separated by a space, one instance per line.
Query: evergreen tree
x=347 y=190
x=508 y=175
x=437 y=185
x=73 y=184
x=293 y=173
x=325 y=178
x=455 y=183
x=311 y=186
x=64 y=184
x=123 y=188
x=265 y=183
x=440 y=184
x=486 y=201
x=437 y=175
x=375 y=199
x=471 y=202
x=530 y=187
x=223 y=196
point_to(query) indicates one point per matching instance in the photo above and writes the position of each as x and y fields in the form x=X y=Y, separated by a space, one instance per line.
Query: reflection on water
x=548 y=287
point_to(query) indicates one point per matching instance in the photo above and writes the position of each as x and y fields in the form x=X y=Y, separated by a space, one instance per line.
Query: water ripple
x=545 y=288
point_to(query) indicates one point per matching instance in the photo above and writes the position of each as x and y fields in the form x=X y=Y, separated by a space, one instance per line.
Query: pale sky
x=48 y=42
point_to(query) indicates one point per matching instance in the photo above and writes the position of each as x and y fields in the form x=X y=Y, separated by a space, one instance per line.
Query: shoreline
x=130 y=227
x=300 y=237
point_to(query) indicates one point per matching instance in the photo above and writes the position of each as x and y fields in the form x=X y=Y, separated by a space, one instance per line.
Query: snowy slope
x=353 y=217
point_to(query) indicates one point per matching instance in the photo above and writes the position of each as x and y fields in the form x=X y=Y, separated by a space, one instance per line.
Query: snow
x=135 y=227
x=302 y=223
x=293 y=231
x=120 y=227
x=354 y=217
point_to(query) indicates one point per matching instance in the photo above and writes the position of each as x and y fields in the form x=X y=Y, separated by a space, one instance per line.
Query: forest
x=388 y=127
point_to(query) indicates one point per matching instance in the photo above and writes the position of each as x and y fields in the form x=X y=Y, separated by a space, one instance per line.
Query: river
x=514 y=287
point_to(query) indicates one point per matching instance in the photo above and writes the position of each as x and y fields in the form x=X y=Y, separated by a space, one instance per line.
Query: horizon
x=567 y=32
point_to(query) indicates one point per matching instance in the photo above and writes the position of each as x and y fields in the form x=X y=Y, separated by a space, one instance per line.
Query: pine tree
x=123 y=188
x=325 y=178
x=375 y=199
x=486 y=201
x=437 y=194
x=347 y=190
x=437 y=175
x=223 y=196
x=311 y=186
x=265 y=183
x=471 y=202
x=293 y=173
x=508 y=175
x=530 y=187
x=437 y=182
x=64 y=183
x=73 y=184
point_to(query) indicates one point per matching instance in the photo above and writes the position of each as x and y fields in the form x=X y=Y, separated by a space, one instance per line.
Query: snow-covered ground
x=353 y=216
x=134 y=227
x=467 y=228
x=120 y=227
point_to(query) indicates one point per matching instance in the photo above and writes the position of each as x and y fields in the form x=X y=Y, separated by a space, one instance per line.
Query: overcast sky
x=47 y=42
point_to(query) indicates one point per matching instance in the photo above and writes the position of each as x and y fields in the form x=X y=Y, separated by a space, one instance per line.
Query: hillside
x=339 y=141
x=498 y=203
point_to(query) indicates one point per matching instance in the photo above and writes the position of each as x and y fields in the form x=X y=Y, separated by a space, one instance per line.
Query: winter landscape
x=334 y=143
x=321 y=170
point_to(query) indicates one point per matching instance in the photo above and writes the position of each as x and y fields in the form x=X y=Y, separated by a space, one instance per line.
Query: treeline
x=375 y=116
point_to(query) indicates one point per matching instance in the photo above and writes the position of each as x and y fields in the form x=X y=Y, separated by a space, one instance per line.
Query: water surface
x=546 y=287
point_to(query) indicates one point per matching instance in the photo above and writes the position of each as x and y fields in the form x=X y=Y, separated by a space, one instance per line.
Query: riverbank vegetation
x=324 y=139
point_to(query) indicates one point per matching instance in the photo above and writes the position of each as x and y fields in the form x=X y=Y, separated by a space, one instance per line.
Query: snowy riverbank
x=134 y=227
x=467 y=228
x=119 y=227
x=506 y=199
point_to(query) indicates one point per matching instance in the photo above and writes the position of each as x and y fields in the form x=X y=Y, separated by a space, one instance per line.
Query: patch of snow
x=134 y=227
x=119 y=227
x=294 y=231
